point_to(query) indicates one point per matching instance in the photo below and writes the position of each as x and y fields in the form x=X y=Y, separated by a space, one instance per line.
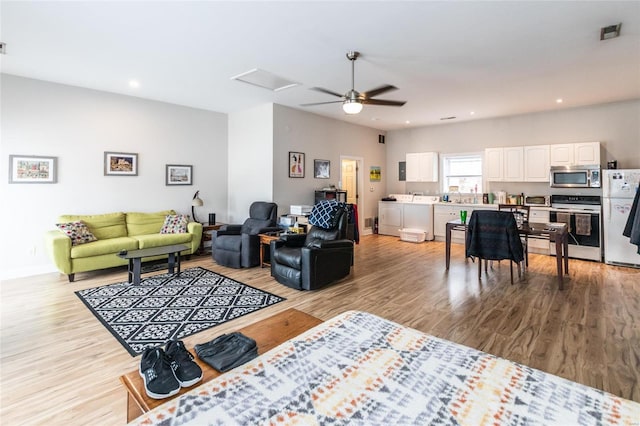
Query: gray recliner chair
x=238 y=246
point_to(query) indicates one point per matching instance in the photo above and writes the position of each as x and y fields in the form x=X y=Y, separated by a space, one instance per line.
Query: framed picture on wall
x=375 y=174
x=296 y=164
x=120 y=164
x=179 y=174
x=32 y=169
x=321 y=169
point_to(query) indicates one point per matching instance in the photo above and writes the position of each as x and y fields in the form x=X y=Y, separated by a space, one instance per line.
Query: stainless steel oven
x=575 y=177
x=582 y=214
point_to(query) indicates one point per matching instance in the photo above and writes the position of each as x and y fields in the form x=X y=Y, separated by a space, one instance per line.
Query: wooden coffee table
x=135 y=259
x=268 y=333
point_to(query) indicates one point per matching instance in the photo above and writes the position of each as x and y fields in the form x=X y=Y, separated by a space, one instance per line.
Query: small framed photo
x=120 y=164
x=32 y=169
x=179 y=174
x=321 y=169
x=375 y=174
x=296 y=164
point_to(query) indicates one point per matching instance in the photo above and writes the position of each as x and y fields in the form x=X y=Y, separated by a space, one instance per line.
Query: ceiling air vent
x=453 y=117
x=3 y=48
x=612 y=31
x=265 y=79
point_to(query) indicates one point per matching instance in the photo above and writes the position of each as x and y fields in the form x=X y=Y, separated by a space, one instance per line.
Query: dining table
x=556 y=232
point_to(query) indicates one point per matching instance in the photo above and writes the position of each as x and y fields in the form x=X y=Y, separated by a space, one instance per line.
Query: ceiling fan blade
x=383 y=102
x=322 y=103
x=327 y=91
x=378 y=91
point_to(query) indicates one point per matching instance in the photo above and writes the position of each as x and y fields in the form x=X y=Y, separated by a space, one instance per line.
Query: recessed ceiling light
x=559 y=100
x=407 y=122
x=265 y=79
x=134 y=84
x=472 y=113
x=610 y=31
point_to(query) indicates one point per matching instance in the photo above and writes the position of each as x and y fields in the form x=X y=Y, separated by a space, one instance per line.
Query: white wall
x=324 y=139
x=77 y=126
x=250 y=160
x=615 y=125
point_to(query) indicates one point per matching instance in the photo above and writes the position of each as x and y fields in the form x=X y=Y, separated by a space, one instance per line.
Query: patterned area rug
x=170 y=306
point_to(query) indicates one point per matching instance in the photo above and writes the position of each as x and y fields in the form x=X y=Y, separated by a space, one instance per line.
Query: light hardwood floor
x=59 y=365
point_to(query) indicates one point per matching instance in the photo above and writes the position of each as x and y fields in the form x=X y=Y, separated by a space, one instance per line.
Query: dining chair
x=493 y=235
x=521 y=214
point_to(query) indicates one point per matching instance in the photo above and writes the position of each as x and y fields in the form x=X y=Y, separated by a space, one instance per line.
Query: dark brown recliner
x=311 y=261
x=238 y=246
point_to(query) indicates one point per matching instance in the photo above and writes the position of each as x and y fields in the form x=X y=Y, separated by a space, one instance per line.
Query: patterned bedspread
x=360 y=369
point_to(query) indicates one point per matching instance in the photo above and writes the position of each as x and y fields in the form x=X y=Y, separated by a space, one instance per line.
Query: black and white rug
x=170 y=306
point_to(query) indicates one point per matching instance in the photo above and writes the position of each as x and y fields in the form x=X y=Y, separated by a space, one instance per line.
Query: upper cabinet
x=422 y=167
x=504 y=164
x=575 y=154
x=536 y=163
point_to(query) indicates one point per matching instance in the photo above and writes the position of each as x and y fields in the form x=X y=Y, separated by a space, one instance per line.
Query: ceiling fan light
x=351 y=107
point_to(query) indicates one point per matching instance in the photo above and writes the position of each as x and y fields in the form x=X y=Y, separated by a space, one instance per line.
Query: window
x=463 y=171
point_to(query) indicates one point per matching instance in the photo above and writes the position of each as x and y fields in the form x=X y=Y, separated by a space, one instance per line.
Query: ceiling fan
x=352 y=101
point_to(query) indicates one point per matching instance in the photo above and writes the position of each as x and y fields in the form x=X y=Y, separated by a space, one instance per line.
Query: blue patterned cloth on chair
x=324 y=214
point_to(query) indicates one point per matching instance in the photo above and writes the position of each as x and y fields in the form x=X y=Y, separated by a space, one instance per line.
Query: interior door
x=350 y=180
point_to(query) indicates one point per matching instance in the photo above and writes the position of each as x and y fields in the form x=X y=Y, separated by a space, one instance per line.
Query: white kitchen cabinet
x=422 y=167
x=504 y=164
x=538 y=245
x=561 y=154
x=494 y=164
x=587 y=153
x=443 y=213
x=536 y=163
x=574 y=154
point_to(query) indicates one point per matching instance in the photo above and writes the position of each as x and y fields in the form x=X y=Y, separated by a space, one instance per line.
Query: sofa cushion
x=175 y=224
x=103 y=226
x=77 y=231
x=146 y=223
x=100 y=247
x=157 y=240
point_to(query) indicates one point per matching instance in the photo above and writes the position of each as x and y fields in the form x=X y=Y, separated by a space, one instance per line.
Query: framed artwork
x=375 y=174
x=179 y=174
x=32 y=169
x=321 y=169
x=296 y=164
x=120 y=164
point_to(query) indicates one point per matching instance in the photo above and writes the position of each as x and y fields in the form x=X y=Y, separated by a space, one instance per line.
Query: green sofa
x=115 y=232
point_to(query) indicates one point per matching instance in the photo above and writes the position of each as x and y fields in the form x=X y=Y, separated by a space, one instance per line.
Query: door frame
x=359 y=182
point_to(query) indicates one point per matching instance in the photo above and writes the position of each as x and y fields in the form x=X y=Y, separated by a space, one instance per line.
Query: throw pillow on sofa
x=175 y=224
x=77 y=231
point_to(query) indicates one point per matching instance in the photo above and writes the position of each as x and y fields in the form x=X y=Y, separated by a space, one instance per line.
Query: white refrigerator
x=618 y=190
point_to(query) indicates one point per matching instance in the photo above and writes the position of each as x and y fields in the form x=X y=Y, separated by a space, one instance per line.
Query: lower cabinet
x=538 y=245
x=444 y=213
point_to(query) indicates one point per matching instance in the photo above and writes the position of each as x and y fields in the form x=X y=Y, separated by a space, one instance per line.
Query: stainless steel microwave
x=575 y=177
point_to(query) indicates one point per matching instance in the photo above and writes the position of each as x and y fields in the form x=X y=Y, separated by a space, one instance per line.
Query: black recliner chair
x=238 y=246
x=311 y=261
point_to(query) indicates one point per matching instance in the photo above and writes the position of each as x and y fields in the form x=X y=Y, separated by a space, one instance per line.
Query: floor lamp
x=196 y=202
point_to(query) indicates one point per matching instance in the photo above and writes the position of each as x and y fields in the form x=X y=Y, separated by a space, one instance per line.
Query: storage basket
x=412 y=235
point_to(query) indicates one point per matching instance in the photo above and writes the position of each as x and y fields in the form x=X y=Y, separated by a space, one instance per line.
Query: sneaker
x=184 y=367
x=155 y=370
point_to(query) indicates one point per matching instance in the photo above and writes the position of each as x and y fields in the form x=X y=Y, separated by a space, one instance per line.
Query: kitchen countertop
x=494 y=205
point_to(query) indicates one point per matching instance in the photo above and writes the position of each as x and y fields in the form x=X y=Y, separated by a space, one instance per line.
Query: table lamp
x=196 y=202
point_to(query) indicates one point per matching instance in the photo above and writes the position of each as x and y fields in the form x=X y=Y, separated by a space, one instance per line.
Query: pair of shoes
x=165 y=372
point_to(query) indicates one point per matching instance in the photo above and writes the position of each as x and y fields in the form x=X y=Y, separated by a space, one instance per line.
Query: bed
x=358 y=368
